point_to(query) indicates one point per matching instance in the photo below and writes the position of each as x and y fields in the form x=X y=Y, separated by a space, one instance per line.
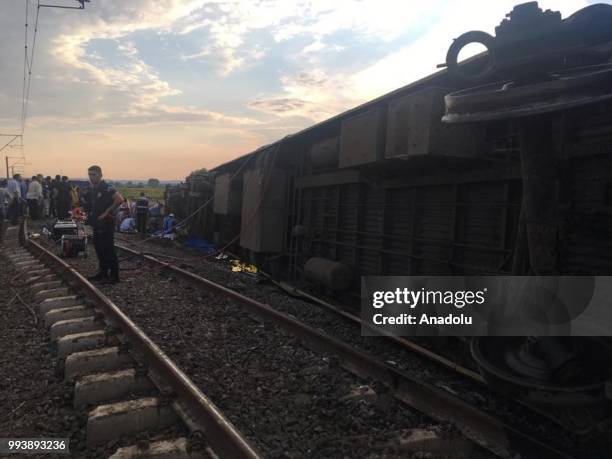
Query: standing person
x=63 y=198
x=100 y=201
x=3 y=201
x=142 y=210
x=46 y=184
x=13 y=188
x=34 y=197
x=55 y=184
x=155 y=214
x=23 y=187
x=74 y=197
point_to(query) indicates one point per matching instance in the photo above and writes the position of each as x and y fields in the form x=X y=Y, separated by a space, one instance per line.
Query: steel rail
x=477 y=425
x=402 y=342
x=411 y=347
x=222 y=436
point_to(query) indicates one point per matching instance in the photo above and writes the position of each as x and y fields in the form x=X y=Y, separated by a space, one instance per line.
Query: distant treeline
x=151 y=183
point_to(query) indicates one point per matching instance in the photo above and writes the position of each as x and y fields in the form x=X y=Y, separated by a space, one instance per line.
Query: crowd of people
x=102 y=205
x=44 y=197
x=38 y=197
x=141 y=215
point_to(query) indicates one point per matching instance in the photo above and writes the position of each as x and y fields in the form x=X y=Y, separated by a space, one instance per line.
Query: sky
x=159 y=88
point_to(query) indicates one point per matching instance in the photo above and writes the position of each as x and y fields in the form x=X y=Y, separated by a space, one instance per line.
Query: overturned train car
x=501 y=165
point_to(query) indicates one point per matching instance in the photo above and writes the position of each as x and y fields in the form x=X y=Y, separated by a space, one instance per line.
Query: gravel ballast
x=329 y=322
x=288 y=400
x=35 y=401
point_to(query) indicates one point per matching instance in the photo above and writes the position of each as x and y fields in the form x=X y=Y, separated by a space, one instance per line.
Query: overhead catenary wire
x=28 y=58
x=30 y=65
x=25 y=63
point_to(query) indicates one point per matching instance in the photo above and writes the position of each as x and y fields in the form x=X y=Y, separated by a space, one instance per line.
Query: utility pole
x=20 y=162
x=28 y=66
x=8 y=144
x=13 y=138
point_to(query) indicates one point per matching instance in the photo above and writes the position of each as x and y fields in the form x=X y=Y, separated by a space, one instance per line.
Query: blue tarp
x=200 y=244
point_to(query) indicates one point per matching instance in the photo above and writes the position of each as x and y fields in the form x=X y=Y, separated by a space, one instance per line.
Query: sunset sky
x=158 y=88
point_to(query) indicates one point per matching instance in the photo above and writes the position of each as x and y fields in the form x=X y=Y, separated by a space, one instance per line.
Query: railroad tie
x=77 y=342
x=176 y=449
x=97 y=363
x=101 y=387
x=106 y=422
x=94 y=361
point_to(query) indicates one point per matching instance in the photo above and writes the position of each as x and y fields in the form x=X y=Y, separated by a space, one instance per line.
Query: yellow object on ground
x=238 y=266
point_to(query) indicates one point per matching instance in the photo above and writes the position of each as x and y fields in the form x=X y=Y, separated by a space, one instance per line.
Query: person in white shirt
x=13 y=190
x=34 y=197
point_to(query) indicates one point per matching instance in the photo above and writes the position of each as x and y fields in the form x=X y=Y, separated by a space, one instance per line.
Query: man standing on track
x=100 y=201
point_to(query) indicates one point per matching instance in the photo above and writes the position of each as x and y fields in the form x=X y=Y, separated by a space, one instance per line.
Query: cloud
x=325 y=91
x=171 y=115
x=160 y=115
x=133 y=76
x=253 y=69
x=228 y=24
x=421 y=57
x=281 y=106
x=103 y=136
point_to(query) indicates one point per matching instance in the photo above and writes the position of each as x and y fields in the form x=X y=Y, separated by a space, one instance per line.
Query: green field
x=134 y=192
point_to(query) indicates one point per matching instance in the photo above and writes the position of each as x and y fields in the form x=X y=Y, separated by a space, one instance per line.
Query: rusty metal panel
x=228 y=195
x=200 y=190
x=415 y=129
x=362 y=138
x=328 y=179
x=264 y=210
x=445 y=229
x=222 y=191
x=325 y=152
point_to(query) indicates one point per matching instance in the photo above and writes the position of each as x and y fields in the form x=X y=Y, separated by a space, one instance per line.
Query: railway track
x=505 y=434
x=489 y=431
x=581 y=432
x=110 y=359
x=112 y=362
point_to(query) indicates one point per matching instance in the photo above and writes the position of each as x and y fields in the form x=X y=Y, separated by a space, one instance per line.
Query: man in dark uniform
x=100 y=201
x=142 y=211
